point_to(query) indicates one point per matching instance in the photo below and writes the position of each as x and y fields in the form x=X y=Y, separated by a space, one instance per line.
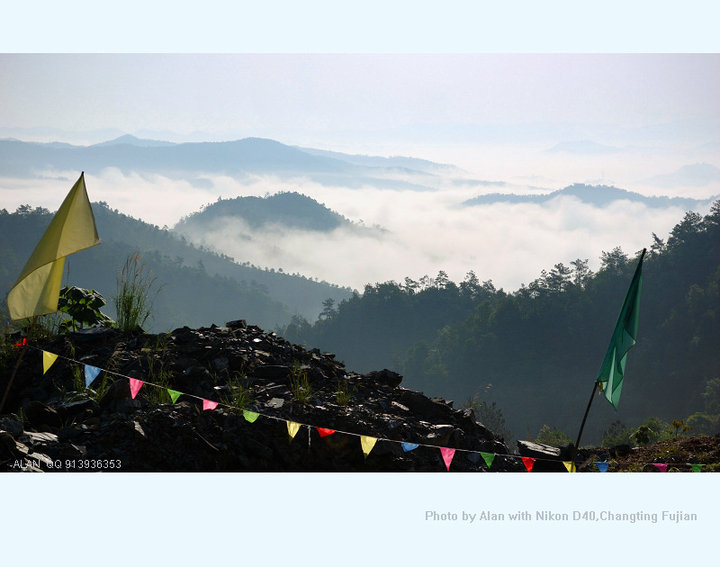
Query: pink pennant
x=447 y=455
x=325 y=432
x=135 y=386
x=209 y=405
x=529 y=462
x=662 y=467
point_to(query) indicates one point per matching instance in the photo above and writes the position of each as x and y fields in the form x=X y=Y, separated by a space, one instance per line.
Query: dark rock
x=272 y=372
x=620 y=451
x=78 y=409
x=11 y=424
x=384 y=378
x=237 y=324
x=549 y=457
x=41 y=416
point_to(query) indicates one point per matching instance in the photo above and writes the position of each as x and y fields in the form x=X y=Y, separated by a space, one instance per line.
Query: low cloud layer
x=425 y=231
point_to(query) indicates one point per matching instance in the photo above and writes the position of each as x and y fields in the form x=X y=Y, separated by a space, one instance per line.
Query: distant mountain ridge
x=596 y=195
x=241 y=159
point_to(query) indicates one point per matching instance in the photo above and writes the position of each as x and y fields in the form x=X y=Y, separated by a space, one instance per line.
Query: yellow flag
x=71 y=229
x=292 y=428
x=367 y=444
x=570 y=466
x=48 y=360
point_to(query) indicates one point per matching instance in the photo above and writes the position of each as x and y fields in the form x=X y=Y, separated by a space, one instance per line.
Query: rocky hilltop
x=263 y=386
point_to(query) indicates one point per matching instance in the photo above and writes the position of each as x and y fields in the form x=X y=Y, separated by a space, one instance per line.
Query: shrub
x=553 y=437
x=617 y=434
x=83 y=307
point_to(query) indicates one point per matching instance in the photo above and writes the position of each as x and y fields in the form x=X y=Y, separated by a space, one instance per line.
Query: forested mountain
x=536 y=351
x=288 y=209
x=198 y=287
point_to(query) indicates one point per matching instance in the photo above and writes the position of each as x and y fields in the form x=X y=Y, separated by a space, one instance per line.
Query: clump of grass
x=159 y=375
x=344 y=393
x=133 y=302
x=240 y=395
x=300 y=384
x=98 y=392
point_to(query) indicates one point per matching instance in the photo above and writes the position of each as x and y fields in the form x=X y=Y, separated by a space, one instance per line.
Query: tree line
x=535 y=352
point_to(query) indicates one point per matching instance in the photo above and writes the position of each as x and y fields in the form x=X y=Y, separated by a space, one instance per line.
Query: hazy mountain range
x=241 y=159
x=596 y=195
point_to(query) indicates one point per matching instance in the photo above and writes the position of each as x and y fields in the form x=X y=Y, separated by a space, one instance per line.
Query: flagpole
x=582 y=425
x=17 y=364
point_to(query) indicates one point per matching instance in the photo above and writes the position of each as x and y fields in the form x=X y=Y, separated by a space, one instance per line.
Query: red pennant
x=23 y=343
x=529 y=462
x=324 y=432
x=135 y=386
x=447 y=455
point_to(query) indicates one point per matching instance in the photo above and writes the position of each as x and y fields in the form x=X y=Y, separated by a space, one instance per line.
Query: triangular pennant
x=602 y=466
x=662 y=467
x=48 y=360
x=250 y=416
x=447 y=455
x=174 y=395
x=407 y=447
x=135 y=386
x=324 y=432
x=292 y=428
x=209 y=405
x=696 y=467
x=367 y=444
x=91 y=373
x=528 y=462
x=489 y=458
x=570 y=466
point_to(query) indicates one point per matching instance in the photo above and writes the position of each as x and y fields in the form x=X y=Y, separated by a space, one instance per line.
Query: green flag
x=624 y=338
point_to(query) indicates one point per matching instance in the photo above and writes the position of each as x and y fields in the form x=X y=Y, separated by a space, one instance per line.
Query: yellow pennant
x=48 y=360
x=293 y=428
x=367 y=444
x=570 y=466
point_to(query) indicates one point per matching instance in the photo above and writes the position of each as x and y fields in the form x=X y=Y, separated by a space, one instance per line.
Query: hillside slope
x=196 y=285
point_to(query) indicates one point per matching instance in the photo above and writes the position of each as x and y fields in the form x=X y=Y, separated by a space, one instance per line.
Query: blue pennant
x=602 y=467
x=409 y=446
x=91 y=373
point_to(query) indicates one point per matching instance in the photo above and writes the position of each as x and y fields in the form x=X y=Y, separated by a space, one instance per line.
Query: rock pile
x=55 y=423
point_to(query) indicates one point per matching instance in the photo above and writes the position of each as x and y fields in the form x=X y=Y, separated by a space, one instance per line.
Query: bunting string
x=367 y=442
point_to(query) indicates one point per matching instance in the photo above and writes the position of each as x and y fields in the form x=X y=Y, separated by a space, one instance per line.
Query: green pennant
x=174 y=395
x=250 y=416
x=696 y=467
x=623 y=339
x=489 y=458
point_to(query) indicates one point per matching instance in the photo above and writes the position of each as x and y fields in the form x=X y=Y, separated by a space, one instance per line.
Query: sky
x=387 y=104
x=497 y=116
